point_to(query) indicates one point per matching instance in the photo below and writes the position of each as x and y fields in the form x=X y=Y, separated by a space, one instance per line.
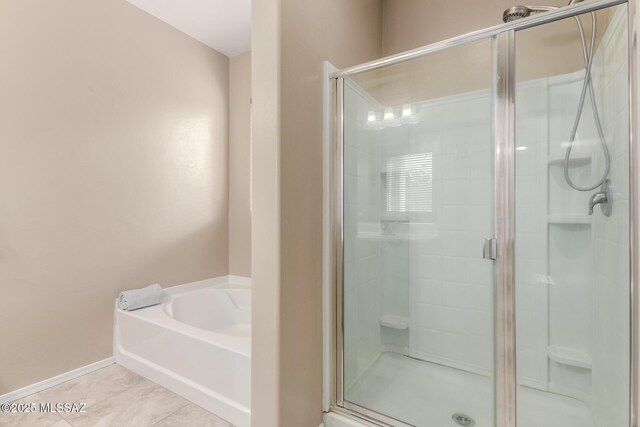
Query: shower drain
x=463 y=420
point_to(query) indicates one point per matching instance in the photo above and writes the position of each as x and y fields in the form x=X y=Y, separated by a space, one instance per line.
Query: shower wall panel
x=438 y=261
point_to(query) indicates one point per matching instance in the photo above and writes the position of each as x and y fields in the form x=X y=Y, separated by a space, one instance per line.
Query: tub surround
x=203 y=355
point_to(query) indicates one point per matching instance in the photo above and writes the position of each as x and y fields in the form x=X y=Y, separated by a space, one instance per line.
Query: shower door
x=480 y=277
x=418 y=202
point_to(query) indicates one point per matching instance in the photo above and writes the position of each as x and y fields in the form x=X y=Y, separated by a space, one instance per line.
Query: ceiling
x=224 y=25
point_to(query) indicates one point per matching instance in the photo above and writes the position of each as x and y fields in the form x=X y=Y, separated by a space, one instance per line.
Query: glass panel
x=572 y=267
x=418 y=202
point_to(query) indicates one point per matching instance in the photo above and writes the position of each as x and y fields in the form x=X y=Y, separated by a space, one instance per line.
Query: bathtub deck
x=114 y=396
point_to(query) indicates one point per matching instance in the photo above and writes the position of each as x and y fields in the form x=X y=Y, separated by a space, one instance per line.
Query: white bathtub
x=197 y=343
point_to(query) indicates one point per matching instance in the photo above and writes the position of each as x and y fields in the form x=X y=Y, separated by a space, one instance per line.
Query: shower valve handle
x=602 y=198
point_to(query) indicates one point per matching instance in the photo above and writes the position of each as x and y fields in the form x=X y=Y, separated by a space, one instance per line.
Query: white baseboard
x=58 y=379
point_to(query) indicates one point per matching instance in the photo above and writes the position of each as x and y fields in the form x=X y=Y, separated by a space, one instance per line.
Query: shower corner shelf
x=568 y=219
x=577 y=160
x=394 y=322
x=570 y=357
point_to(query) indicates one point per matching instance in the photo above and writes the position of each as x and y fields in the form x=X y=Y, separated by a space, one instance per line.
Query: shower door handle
x=489 y=249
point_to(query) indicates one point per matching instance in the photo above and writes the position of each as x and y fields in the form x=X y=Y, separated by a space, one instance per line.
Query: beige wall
x=113 y=174
x=344 y=32
x=240 y=165
x=287 y=125
x=407 y=24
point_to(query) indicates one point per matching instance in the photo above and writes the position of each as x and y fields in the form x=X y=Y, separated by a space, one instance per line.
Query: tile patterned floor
x=117 y=397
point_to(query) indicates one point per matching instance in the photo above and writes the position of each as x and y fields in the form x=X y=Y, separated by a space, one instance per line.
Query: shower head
x=517 y=12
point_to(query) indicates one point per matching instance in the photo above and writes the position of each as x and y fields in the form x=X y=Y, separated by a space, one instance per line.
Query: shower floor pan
x=427 y=394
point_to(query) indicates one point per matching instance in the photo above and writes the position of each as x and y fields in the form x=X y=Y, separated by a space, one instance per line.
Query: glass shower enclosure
x=483 y=228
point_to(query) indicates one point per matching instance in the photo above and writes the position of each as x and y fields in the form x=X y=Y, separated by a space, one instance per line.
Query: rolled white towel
x=140 y=298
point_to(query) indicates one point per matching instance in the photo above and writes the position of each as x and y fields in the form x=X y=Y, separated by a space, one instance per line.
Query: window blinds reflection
x=410 y=183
